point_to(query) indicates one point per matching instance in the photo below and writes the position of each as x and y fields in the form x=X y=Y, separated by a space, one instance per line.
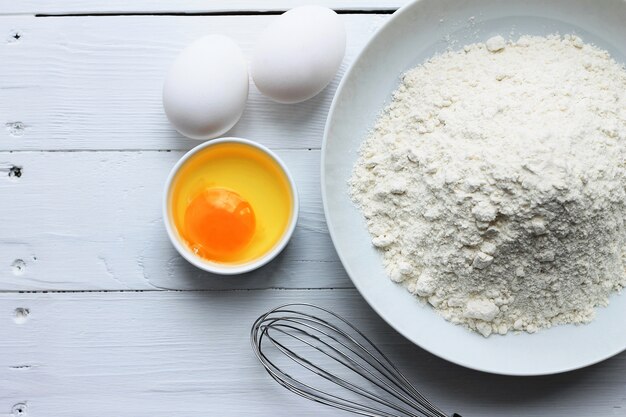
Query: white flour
x=494 y=184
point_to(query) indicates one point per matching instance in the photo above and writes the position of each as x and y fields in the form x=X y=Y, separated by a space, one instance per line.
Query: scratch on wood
x=20 y=409
x=20 y=315
x=18 y=267
x=144 y=274
x=12 y=171
x=14 y=36
x=110 y=271
x=20 y=367
x=16 y=128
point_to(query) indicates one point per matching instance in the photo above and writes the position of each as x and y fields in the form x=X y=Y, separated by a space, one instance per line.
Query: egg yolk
x=218 y=223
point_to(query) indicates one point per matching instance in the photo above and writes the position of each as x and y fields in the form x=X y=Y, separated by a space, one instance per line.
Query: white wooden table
x=98 y=314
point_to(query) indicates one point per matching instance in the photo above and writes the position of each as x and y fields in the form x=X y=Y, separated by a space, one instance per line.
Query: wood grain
x=170 y=353
x=95 y=82
x=92 y=221
x=186 y=6
x=84 y=151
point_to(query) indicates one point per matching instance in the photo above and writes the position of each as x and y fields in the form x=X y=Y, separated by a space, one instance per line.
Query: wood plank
x=187 y=6
x=170 y=353
x=95 y=82
x=92 y=221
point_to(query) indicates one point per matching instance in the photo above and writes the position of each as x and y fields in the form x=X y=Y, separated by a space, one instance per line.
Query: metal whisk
x=338 y=365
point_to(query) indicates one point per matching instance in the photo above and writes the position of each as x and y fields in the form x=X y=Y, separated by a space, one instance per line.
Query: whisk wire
x=335 y=402
x=366 y=374
x=347 y=347
x=323 y=397
x=393 y=374
x=398 y=377
x=401 y=394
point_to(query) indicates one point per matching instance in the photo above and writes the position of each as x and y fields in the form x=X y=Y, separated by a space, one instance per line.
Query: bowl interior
x=227 y=268
x=413 y=34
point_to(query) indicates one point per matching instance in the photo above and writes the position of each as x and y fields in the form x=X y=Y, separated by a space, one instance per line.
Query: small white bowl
x=214 y=267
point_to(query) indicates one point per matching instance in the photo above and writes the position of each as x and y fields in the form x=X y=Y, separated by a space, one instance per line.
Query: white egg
x=298 y=54
x=206 y=89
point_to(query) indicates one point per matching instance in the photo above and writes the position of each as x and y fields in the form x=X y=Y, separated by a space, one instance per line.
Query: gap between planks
x=46 y=119
x=200 y=13
x=274 y=148
x=165 y=290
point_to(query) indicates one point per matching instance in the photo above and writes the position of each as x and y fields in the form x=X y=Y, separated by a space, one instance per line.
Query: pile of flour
x=494 y=184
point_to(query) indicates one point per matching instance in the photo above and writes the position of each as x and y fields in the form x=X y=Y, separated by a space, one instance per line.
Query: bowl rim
x=214 y=267
x=362 y=288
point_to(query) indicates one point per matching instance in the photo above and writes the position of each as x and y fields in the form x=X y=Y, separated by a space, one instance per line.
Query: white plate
x=413 y=34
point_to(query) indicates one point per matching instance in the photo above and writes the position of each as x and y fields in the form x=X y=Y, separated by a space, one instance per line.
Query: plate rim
x=359 y=286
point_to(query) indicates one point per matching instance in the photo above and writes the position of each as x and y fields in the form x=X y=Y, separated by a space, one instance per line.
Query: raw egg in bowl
x=230 y=206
